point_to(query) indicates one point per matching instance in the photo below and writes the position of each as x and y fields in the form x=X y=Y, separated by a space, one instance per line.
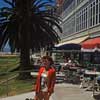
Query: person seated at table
x=76 y=63
x=64 y=64
x=69 y=61
x=98 y=79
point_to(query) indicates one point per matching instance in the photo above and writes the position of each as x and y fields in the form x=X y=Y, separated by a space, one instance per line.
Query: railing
x=11 y=85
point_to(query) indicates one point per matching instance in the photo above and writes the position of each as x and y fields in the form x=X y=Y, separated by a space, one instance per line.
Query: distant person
x=64 y=66
x=32 y=61
x=45 y=80
x=98 y=79
x=38 y=62
x=59 y=69
x=69 y=60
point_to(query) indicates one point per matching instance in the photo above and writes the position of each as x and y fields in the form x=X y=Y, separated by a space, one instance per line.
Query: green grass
x=13 y=86
x=8 y=63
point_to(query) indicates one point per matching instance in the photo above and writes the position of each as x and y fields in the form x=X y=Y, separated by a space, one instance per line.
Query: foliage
x=15 y=87
x=41 y=22
x=28 y=25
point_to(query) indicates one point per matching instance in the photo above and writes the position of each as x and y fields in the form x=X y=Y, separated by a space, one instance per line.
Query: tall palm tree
x=27 y=24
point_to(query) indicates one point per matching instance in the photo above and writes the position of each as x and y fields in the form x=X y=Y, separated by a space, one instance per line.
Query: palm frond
x=9 y=2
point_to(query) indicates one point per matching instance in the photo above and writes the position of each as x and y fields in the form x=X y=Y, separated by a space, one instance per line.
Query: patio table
x=92 y=82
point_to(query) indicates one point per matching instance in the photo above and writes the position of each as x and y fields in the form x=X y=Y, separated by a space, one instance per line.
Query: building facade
x=80 y=19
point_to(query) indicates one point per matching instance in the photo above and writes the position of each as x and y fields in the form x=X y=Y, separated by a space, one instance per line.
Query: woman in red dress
x=45 y=79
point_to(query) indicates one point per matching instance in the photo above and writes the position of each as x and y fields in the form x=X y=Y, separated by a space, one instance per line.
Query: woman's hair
x=49 y=59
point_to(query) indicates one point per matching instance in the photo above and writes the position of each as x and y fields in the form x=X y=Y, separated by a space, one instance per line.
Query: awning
x=73 y=41
x=70 y=46
x=91 y=45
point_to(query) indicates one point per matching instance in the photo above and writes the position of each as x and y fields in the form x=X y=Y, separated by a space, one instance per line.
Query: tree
x=27 y=24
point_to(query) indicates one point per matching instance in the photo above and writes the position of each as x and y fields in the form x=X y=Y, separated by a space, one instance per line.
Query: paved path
x=71 y=92
x=63 y=91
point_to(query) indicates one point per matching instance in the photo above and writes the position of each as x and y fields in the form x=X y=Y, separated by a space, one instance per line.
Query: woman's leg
x=39 y=96
x=46 y=96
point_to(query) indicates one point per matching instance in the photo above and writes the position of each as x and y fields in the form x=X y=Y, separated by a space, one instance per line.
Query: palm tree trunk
x=25 y=51
x=25 y=66
x=23 y=9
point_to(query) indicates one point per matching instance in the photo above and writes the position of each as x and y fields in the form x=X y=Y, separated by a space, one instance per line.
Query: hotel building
x=80 y=21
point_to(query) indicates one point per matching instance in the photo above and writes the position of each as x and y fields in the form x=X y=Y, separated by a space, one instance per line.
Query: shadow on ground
x=97 y=97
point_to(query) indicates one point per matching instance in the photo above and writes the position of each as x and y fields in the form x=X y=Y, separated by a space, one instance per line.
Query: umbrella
x=70 y=46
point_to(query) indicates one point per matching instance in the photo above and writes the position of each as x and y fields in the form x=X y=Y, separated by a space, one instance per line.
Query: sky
x=2 y=3
x=6 y=49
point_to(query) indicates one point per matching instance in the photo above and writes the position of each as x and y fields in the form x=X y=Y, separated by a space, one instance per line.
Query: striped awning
x=73 y=41
x=91 y=45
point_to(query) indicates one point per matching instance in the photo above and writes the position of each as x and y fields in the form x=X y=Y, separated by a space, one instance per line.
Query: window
x=86 y=18
x=93 y=16
x=94 y=13
x=90 y=15
x=99 y=11
x=87 y=57
x=81 y=19
x=69 y=26
x=96 y=58
x=79 y=1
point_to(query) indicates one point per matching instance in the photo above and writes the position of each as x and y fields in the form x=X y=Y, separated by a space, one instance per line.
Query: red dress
x=51 y=80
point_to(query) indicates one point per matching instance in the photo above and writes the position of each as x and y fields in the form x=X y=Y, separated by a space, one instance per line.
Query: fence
x=11 y=85
x=9 y=82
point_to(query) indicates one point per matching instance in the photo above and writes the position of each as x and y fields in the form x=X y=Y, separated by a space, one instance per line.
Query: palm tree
x=27 y=24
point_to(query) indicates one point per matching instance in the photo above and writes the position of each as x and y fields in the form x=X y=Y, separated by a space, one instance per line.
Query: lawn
x=9 y=83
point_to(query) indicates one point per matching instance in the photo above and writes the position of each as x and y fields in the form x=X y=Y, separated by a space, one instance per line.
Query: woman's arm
x=53 y=80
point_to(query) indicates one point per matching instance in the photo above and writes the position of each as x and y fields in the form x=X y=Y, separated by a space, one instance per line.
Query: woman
x=45 y=80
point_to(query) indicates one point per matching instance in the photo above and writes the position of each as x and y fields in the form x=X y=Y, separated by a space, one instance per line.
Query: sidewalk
x=66 y=91
x=63 y=91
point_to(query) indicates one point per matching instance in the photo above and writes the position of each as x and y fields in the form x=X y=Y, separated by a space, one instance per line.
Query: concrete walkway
x=71 y=92
x=63 y=91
